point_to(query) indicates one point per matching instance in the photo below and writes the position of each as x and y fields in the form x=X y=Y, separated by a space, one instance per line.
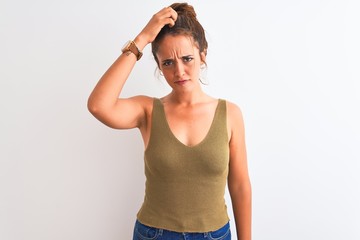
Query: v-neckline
x=207 y=134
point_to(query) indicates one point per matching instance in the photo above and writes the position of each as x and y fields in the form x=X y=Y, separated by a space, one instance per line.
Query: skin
x=189 y=111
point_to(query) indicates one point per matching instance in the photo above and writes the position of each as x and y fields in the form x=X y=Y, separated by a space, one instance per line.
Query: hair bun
x=184 y=9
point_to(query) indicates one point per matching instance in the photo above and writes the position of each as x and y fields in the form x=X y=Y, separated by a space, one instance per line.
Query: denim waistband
x=144 y=232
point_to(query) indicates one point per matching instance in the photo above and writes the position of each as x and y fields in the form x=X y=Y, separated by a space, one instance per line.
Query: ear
x=203 y=57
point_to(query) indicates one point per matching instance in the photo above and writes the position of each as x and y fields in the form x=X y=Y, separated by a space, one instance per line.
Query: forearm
x=241 y=202
x=110 y=85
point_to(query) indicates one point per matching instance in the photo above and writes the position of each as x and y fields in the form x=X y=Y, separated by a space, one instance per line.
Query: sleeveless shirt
x=185 y=186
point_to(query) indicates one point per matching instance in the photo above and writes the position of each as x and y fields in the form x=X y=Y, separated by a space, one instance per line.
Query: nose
x=179 y=69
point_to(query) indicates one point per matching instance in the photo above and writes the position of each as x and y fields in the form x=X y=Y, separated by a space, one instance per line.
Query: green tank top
x=185 y=186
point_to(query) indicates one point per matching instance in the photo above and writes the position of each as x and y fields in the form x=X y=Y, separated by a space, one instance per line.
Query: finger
x=170 y=16
x=168 y=12
x=173 y=14
x=166 y=16
x=171 y=22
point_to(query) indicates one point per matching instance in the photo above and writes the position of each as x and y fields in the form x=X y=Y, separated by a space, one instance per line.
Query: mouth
x=181 y=82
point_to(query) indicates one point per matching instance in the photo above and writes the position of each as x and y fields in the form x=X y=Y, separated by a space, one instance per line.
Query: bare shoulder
x=235 y=119
x=234 y=112
x=144 y=101
x=142 y=98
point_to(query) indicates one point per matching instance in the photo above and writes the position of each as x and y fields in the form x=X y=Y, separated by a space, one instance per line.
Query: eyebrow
x=171 y=59
x=166 y=60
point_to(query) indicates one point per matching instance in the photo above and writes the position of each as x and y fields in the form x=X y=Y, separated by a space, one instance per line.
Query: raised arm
x=238 y=179
x=104 y=102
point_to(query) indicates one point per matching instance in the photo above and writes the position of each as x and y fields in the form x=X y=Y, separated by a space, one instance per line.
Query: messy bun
x=187 y=24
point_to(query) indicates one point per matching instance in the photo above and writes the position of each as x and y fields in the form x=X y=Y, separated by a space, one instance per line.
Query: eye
x=187 y=58
x=167 y=63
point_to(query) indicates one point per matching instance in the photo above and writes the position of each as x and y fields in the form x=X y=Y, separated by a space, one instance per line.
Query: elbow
x=243 y=195
x=100 y=112
x=93 y=107
x=244 y=190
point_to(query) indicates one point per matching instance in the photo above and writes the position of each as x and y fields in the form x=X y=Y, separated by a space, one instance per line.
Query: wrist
x=141 y=42
x=131 y=47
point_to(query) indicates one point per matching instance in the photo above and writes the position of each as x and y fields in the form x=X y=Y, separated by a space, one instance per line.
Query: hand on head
x=166 y=16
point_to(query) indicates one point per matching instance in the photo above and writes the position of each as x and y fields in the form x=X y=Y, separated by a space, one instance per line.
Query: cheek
x=194 y=66
x=167 y=70
x=191 y=66
x=168 y=74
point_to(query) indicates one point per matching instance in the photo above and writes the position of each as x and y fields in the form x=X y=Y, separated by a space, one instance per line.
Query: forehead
x=176 y=45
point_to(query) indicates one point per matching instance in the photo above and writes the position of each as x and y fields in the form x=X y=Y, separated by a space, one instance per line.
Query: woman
x=193 y=142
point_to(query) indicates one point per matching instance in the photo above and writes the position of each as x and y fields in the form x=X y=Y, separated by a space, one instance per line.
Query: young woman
x=194 y=143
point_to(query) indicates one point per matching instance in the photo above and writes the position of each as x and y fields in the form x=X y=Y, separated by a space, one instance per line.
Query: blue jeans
x=143 y=232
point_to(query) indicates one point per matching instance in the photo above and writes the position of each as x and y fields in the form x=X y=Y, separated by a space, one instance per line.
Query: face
x=180 y=61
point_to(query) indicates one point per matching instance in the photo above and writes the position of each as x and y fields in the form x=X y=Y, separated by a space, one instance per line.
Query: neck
x=187 y=98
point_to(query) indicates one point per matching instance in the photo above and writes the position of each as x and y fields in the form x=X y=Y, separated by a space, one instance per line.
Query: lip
x=181 y=82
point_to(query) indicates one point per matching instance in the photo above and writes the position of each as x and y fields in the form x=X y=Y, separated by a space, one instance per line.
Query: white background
x=292 y=67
